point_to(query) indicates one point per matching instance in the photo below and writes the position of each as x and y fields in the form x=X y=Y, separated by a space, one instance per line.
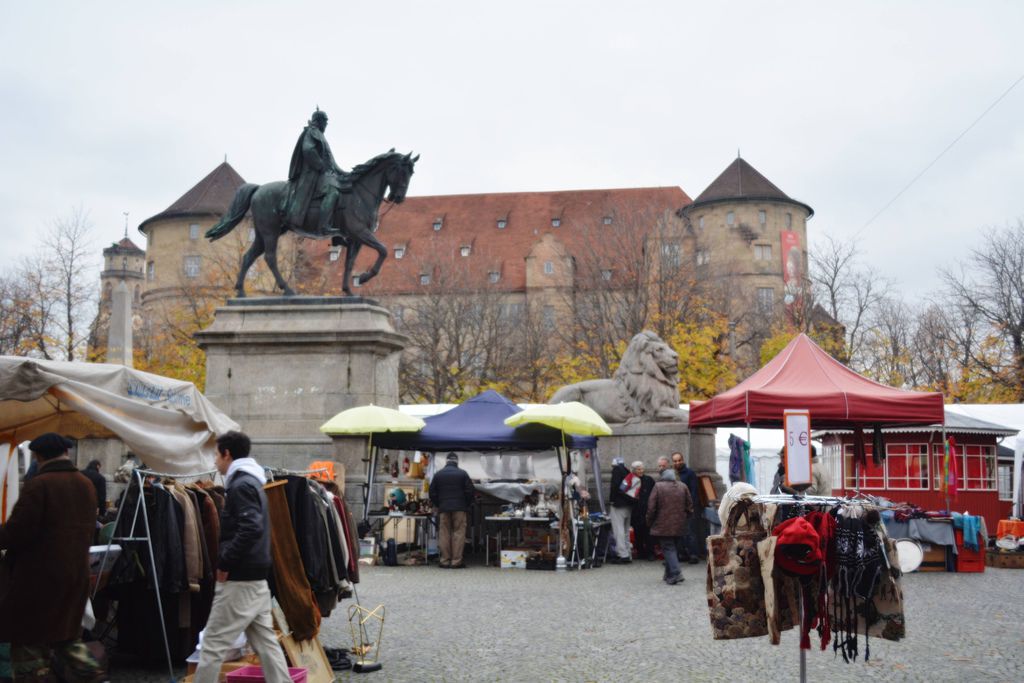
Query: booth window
x=907 y=466
x=871 y=477
x=1005 y=476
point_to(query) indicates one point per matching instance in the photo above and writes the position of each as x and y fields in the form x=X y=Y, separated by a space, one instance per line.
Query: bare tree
x=848 y=291
x=16 y=322
x=989 y=284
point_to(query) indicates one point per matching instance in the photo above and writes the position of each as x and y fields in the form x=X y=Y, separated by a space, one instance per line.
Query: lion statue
x=645 y=387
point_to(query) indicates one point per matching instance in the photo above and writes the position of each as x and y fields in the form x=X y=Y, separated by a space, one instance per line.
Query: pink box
x=254 y=674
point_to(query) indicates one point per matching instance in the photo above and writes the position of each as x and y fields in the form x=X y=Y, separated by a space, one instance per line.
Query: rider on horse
x=313 y=173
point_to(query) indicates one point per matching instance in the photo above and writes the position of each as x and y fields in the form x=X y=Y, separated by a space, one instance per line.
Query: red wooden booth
x=912 y=466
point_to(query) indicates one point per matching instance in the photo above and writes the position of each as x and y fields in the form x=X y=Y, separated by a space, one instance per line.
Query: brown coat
x=668 y=508
x=44 y=578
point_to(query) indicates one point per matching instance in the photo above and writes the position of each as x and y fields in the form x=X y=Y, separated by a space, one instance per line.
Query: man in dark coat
x=44 y=577
x=313 y=173
x=668 y=510
x=452 y=494
x=688 y=541
x=92 y=473
x=644 y=543
x=241 y=601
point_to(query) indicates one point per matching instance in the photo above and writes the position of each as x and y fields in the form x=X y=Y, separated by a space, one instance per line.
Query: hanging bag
x=734 y=583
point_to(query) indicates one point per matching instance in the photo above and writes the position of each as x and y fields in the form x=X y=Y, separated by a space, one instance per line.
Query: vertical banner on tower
x=796 y=425
x=792 y=267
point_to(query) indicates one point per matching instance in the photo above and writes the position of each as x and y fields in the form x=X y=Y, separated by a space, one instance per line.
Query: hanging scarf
x=748 y=465
x=950 y=472
x=859 y=456
x=858 y=571
x=878 y=446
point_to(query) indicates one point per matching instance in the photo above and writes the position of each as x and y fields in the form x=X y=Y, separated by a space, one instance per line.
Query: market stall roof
x=803 y=376
x=168 y=423
x=955 y=424
x=479 y=425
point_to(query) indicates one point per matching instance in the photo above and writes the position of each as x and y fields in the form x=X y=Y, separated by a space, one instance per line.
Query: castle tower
x=177 y=254
x=751 y=238
x=122 y=273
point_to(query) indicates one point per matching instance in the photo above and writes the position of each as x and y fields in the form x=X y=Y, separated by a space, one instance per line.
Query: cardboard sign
x=797 y=427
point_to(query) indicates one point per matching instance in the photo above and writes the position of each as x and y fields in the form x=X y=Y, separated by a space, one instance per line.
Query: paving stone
x=621 y=623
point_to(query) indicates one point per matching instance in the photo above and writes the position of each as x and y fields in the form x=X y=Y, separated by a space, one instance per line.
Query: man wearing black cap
x=451 y=494
x=44 y=582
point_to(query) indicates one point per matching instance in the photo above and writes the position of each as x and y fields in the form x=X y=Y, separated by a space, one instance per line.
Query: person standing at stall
x=241 y=600
x=688 y=541
x=644 y=543
x=620 y=512
x=668 y=510
x=452 y=494
x=92 y=473
x=44 y=579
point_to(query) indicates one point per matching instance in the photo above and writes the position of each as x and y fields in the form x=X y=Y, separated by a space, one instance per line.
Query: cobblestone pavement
x=621 y=623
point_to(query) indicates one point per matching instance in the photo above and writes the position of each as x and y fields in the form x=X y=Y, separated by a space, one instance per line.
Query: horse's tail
x=235 y=214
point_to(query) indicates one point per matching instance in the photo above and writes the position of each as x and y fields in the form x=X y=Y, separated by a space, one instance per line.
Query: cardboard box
x=514 y=558
x=934 y=558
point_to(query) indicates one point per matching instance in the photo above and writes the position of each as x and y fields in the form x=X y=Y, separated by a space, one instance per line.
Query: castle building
x=541 y=249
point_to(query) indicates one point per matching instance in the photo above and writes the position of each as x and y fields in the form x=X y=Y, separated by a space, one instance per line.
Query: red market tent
x=803 y=376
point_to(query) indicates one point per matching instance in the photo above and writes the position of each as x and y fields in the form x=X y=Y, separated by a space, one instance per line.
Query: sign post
x=797 y=427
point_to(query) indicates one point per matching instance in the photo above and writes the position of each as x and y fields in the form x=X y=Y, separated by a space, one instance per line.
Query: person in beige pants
x=452 y=495
x=241 y=600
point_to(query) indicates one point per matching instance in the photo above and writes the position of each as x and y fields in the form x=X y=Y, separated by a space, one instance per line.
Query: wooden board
x=706 y=491
x=308 y=654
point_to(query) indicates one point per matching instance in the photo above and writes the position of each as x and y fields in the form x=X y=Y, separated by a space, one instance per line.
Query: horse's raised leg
x=351 y=251
x=250 y=257
x=382 y=253
x=271 y=258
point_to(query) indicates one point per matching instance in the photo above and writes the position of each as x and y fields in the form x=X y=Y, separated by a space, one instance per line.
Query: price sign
x=797 y=426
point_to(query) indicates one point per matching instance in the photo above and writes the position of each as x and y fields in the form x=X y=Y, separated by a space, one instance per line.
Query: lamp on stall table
x=362 y=643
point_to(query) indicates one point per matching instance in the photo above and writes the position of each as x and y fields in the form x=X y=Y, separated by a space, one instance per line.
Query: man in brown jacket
x=668 y=510
x=44 y=576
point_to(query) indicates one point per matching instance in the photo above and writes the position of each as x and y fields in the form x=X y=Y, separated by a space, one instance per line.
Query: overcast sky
x=124 y=106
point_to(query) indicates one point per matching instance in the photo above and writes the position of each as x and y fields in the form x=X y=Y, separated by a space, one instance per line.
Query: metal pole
x=156 y=583
x=803 y=652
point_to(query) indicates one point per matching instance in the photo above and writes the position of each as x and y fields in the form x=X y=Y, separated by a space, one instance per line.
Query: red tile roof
x=472 y=220
x=211 y=196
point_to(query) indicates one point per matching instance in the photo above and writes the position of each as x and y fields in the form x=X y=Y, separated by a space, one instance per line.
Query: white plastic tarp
x=168 y=423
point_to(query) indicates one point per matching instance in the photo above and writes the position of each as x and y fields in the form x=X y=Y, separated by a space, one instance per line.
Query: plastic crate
x=254 y=674
x=968 y=560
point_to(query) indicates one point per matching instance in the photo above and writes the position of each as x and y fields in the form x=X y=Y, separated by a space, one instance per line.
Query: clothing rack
x=137 y=479
x=861 y=500
x=280 y=471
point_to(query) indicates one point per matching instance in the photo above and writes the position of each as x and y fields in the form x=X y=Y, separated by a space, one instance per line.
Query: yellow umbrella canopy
x=370 y=419
x=571 y=417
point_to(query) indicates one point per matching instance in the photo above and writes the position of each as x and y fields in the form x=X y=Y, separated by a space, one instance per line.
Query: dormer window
x=437 y=224
x=493 y=276
x=356 y=282
x=424 y=278
x=549 y=268
x=465 y=250
x=607 y=220
x=555 y=222
x=606 y=274
x=334 y=253
x=399 y=252
x=502 y=224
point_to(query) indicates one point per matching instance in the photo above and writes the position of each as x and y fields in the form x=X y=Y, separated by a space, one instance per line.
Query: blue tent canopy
x=479 y=425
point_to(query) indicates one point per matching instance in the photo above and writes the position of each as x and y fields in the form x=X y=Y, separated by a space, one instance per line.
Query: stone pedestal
x=282 y=366
x=647 y=441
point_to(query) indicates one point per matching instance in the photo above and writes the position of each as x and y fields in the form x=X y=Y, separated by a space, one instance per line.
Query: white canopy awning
x=168 y=423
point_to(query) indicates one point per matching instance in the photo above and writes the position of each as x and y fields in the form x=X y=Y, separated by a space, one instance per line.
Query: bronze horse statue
x=355 y=216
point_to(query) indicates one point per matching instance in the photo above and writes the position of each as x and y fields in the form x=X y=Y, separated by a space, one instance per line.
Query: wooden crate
x=934 y=558
x=1005 y=560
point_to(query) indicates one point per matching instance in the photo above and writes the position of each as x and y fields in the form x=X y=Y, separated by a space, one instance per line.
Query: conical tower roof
x=211 y=196
x=742 y=182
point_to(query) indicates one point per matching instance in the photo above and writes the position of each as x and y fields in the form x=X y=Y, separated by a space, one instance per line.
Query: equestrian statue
x=320 y=201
